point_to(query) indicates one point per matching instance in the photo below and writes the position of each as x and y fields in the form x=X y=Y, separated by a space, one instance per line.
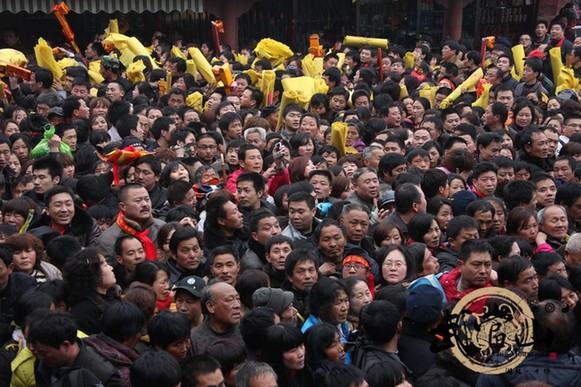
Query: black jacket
x=82 y=227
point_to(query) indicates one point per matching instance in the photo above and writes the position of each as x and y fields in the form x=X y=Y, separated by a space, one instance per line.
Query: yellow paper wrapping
x=202 y=65
x=518 y=55
x=112 y=28
x=566 y=80
x=403 y=91
x=308 y=65
x=429 y=92
x=135 y=72
x=254 y=76
x=267 y=86
x=240 y=58
x=191 y=68
x=469 y=83
x=12 y=56
x=45 y=58
x=556 y=63
x=224 y=74
x=67 y=62
x=318 y=63
x=341 y=56
x=359 y=41
x=321 y=86
x=175 y=51
x=195 y=100
x=289 y=97
x=482 y=101
x=409 y=60
x=273 y=51
x=96 y=77
x=339 y=139
x=304 y=84
x=129 y=47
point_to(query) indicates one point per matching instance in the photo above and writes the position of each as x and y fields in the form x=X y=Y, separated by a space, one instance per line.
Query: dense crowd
x=163 y=229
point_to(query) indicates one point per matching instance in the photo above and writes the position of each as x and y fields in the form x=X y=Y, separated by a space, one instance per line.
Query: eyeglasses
x=397 y=265
x=356 y=266
x=207 y=147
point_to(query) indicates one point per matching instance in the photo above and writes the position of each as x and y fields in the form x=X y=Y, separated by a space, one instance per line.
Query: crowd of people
x=172 y=230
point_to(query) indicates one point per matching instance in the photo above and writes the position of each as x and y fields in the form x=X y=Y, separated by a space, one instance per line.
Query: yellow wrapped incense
x=566 y=80
x=429 y=92
x=267 y=87
x=318 y=63
x=175 y=51
x=45 y=58
x=304 y=84
x=223 y=74
x=518 y=55
x=556 y=63
x=15 y=57
x=308 y=65
x=273 y=51
x=129 y=47
x=341 y=56
x=195 y=100
x=254 y=76
x=403 y=91
x=112 y=28
x=191 y=68
x=242 y=59
x=321 y=86
x=409 y=60
x=289 y=97
x=468 y=84
x=67 y=62
x=482 y=101
x=96 y=77
x=359 y=41
x=339 y=139
x=202 y=65
x=135 y=72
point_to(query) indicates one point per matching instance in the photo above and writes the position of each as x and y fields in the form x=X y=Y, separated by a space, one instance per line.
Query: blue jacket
x=344 y=332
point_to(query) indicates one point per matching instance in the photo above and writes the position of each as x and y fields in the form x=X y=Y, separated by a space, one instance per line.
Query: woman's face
x=165 y=246
x=310 y=167
x=69 y=170
x=499 y=220
x=434 y=157
x=349 y=168
x=99 y=110
x=506 y=141
x=180 y=84
x=18 y=116
x=100 y=123
x=161 y=285
x=444 y=216
x=294 y=359
x=330 y=157
x=14 y=163
x=394 y=268
x=336 y=351
x=524 y=117
x=14 y=219
x=307 y=149
x=417 y=111
x=569 y=297
x=352 y=136
x=361 y=297
x=529 y=230
x=456 y=185
x=21 y=149
x=24 y=260
x=107 y=276
x=179 y=173
x=10 y=129
x=130 y=175
x=393 y=238
x=432 y=236
x=408 y=103
x=553 y=104
x=339 y=309
x=102 y=168
x=430 y=264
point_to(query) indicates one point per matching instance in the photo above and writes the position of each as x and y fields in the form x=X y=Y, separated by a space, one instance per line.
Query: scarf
x=148 y=246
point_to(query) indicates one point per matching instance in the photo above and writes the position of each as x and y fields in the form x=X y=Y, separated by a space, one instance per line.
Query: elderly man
x=573 y=251
x=221 y=306
x=365 y=190
x=553 y=222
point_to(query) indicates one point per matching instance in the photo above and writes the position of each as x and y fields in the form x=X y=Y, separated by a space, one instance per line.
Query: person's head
x=170 y=332
x=520 y=193
x=534 y=142
x=331 y=238
x=381 y=322
x=391 y=165
x=557 y=29
x=284 y=349
x=134 y=202
x=46 y=173
x=60 y=206
x=328 y=300
x=484 y=178
x=564 y=168
x=488 y=145
x=397 y=265
x=128 y=252
x=300 y=268
x=155 y=368
x=553 y=221
x=558 y=288
x=256 y=374
x=556 y=327
x=147 y=171
x=203 y=371
x=231 y=354
x=15 y=211
x=250 y=187
x=521 y=223
x=387 y=233
x=518 y=273
x=223 y=214
x=87 y=273
x=27 y=250
x=549 y=264
x=221 y=305
x=475 y=263
x=185 y=246
x=424 y=228
x=323 y=343
x=387 y=373
x=124 y=322
x=224 y=264
x=52 y=337
x=409 y=199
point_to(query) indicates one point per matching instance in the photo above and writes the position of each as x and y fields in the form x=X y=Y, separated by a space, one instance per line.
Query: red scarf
x=148 y=246
x=163 y=305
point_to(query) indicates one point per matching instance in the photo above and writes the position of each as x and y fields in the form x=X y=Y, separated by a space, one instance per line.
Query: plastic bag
x=42 y=148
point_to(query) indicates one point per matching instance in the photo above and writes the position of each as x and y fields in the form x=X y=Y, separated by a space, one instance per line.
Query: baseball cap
x=424 y=304
x=193 y=284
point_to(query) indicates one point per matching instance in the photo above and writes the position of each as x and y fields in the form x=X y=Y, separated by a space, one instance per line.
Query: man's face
x=188 y=254
x=252 y=161
x=434 y=133
x=367 y=186
x=70 y=138
x=470 y=144
x=420 y=137
x=137 y=206
x=61 y=209
x=322 y=186
x=476 y=270
x=188 y=305
x=492 y=76
x=266 y=229
x=304 y=275
x=540 y=30
x=246 y=101
x=546 y=191
x=277 y=254
x=562 y=170
x=51 y=357
x=555 y=223
x=207 y=149
x=490 y=152
x=572 y=126
x=528 y=75
x=557 y=32
x=361 y=101
x=132 y=253
x=176 y=101
x=292 y=120
x=42 y=180
x=226 y=268
x=528 y=283
x=525 y=40
x=263 y=380
x=80 y=91
x=484 y=220
x=233 y=220
x=331 y=62
x=225 y=304
x=5 y=156
x=505 y=175
x=486 y=183
x=552 y=140
x=234 y=129
x=43 y=109
x=386 y=65
x=337 y=103
x=447 y=53
x=504 y=65
x=145 y=176
x=462 y=237
x=538 y=146
x=247 y=195
x=356 y=224
x=114 y=91
x=301 y=216
x=332 y=243
x=393 y=147
x=505 y=97
x=393 y=117
x=256 y=140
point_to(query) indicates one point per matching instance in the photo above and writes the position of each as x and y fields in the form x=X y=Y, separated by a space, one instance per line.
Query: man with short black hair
x=301 y=214
x=46 y=174
x=409 y=201
x=147 y=173
x=263 y=226
x=202 y=371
